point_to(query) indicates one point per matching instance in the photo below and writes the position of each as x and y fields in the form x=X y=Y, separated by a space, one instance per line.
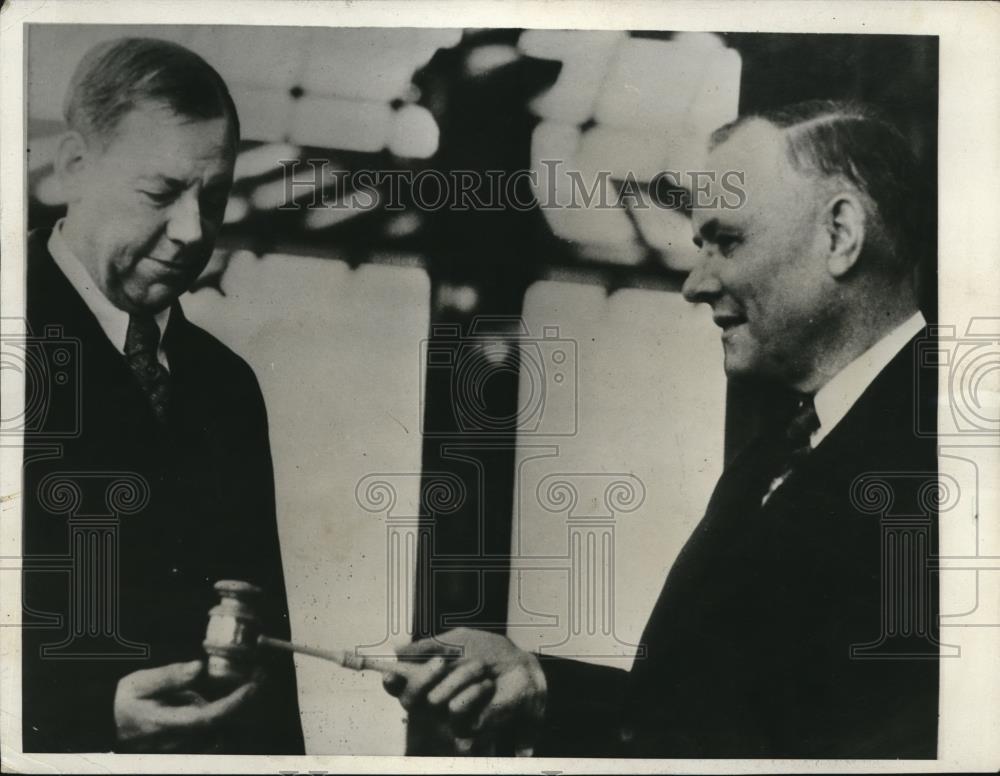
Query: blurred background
x=496 y=417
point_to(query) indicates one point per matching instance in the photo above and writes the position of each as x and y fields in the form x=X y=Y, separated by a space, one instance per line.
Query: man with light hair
x=801 y=618
x=146 y=165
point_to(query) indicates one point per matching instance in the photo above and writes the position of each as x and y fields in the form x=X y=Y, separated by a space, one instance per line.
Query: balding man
x=780 y=630
x=116 y=662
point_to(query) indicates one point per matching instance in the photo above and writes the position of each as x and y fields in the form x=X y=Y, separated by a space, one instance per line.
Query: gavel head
x=231 y=635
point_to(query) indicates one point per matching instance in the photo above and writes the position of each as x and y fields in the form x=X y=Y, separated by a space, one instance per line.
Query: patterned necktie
x=141 y=344
x=795 y=441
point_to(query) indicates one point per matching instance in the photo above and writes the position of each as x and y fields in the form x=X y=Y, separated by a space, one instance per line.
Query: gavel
x=233 y=636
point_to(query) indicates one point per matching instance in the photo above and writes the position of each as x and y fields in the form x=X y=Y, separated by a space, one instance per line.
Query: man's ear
x=844 y=221
x=72 y=157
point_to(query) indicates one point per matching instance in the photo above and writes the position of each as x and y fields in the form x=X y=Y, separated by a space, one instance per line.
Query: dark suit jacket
x=749 y=647
x=139 y=598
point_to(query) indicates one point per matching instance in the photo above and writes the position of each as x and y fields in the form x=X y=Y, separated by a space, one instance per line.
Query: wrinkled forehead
x=155 y=136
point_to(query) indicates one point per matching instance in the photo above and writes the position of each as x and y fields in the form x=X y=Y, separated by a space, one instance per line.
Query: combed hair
x=116 y=77
x=852 y=141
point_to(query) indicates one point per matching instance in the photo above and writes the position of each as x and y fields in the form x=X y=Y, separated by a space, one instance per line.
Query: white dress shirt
x=113 y=320
x=835 y=399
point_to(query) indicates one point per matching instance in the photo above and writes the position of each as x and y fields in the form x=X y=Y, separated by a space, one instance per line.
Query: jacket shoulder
x=210 y=350
x=215 y=366
x=899 y=409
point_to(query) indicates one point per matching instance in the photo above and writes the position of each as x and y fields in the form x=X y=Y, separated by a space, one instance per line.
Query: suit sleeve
x=277 y=730
x=64 y=709
x=582 y=709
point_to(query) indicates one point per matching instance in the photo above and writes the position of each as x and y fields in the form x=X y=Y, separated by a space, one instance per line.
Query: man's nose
x=184 y=225
x=702 y=284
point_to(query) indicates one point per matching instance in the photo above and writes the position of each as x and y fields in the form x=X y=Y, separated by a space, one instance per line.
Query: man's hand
x=158 y=709
x=494 y=685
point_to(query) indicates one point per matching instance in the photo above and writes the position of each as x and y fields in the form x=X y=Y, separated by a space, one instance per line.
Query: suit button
x=626 y=734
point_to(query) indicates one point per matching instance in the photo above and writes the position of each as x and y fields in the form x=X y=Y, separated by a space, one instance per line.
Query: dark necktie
x=141 y=344
x=795 y=442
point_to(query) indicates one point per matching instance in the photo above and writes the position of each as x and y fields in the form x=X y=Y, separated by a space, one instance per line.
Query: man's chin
x=734 y=372
x=151 y=299
x=750 y=369
x=738 y=365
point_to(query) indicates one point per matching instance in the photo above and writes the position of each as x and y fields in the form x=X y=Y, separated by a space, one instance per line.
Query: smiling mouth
x=173 y=266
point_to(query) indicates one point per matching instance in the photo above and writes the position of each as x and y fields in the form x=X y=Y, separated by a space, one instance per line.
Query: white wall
x=650 y=415
x=337 y=355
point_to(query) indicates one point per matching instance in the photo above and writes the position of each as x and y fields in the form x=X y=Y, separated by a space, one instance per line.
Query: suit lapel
x=878 y=420
x=107 y=383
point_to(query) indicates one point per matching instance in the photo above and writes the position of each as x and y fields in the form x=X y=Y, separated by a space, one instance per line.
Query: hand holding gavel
x=234 y=635
x=453 y=687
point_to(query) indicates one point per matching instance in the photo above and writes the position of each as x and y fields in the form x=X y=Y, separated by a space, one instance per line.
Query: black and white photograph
x=532 y=392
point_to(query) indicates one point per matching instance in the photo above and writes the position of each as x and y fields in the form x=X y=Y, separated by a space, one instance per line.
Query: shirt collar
x=835 y=399
x=113 y=320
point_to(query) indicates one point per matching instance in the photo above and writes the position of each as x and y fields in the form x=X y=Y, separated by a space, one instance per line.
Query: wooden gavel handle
x=341 y=657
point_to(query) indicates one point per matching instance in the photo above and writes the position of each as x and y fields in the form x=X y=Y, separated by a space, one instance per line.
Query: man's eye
x=727 y=243
x=158 y=197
